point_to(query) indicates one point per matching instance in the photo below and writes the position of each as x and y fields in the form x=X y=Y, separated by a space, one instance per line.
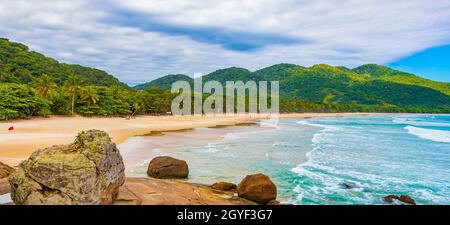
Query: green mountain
x=20 y=65
x=388 y=74
x=376 y=70
x=328 y=84
x=223 y=75
x=370 y=84
x=164 y=82
x=229 y=74
x=275 y=72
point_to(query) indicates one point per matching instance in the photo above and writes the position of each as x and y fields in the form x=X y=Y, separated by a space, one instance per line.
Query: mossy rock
x=88 y=171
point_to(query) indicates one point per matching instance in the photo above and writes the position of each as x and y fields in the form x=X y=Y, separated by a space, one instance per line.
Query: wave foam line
x=429 y=134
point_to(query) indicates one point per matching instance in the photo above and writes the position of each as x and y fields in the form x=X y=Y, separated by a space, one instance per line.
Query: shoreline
x=196 y=128
x=137 y=151
x=32 y=134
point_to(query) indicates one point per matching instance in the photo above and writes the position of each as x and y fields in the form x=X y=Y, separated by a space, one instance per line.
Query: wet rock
x=88 y=171
x=274 y=202
x=5 y=170
x=407 y=199
x=224 y=186
x=390 y=198
x=258 y=188
x=403 y=199
x=348 y=186
x=165 y=167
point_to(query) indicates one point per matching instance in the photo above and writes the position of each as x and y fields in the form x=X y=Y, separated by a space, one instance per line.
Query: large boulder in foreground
x=165 y=167
x=5 y=170
x=88 y=171
x=258 y=188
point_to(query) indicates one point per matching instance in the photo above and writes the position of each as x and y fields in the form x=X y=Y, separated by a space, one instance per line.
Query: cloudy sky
x=140 y=40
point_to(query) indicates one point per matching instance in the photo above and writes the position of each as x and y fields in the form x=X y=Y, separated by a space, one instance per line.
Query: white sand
x=30 y=135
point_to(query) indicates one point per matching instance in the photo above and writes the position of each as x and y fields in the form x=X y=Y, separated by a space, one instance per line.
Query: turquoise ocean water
x=311 y=159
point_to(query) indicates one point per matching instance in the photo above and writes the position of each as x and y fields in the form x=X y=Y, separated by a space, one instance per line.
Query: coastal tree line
x=43 y=96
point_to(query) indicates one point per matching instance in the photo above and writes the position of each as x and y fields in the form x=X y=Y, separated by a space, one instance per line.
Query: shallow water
x=309 y=160
x=380 y=155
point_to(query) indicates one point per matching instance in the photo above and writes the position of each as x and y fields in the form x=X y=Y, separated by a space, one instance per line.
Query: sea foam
x=343 y=154
x=430 y=134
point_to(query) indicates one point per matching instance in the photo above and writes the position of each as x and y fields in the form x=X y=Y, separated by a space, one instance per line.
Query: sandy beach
x=30 y=135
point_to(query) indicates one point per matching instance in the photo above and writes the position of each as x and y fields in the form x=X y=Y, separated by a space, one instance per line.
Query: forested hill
x=34 y=85
x=20 y=65
x=164 y=82
x=365 y=85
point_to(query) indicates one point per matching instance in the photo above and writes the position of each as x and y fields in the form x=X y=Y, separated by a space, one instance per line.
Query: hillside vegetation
x=32 y=84
x=20 y=65
x=365 y=86
x=164 y=82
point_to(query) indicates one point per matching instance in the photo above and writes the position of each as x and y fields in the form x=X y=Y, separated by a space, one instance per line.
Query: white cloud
x=338 y=32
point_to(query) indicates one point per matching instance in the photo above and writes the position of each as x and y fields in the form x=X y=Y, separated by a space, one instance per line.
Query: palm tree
x=90 y=94
x=116 y=92
x=136 y=107
x=45 y=85
x=73 y=88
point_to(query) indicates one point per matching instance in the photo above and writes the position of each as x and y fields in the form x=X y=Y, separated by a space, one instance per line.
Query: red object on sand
x=11 y=128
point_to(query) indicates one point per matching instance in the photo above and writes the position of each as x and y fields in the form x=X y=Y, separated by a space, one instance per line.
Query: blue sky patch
x=432 y=63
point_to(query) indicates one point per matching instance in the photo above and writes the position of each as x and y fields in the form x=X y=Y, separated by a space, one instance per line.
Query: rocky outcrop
x=258 y=188
x=88 y=171
x=165 y=167
x=5 y=170
x=403 y=199
x=224 y=186
x=151 y=191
